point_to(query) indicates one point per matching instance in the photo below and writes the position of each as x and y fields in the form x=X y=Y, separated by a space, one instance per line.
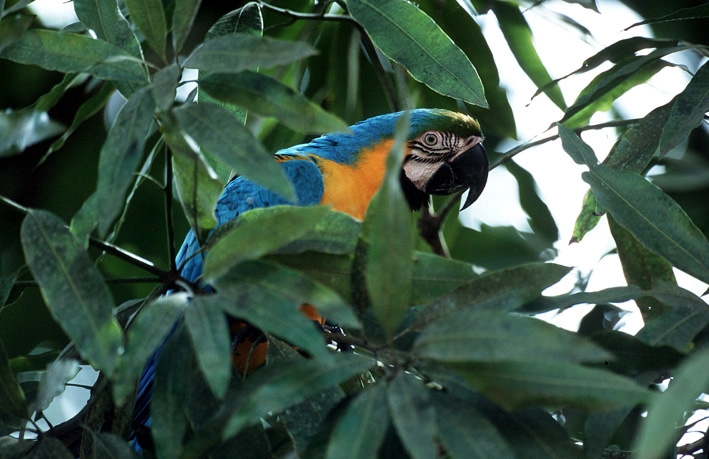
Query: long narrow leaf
x=149 y=17
x=687 y=111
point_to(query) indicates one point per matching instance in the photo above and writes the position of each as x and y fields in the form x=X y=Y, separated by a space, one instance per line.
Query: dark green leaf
x=655 y=220
x=519 y=38
x=360 y=431
x=599 y=429
x=246 y=19
x=642 y=268
x=218 y=132
x=675 y=328
x=472 y=335
x=257 y=233
x=434 y=276
x=687 y=111
x=49 y=100
x=211 y=343
x=23 y=128
x=72 y=287
x=235 y=53
x=695 y=12
x=12 y=28
x=336 y=233
x=274 y=389
x=197 y=185
x=147 y=332
x=172 y=386
x=53 y=382
x=70 y=52
x=266 y=96
x=500 y=291
x=49 y=448
x=588 y=218
x=388 y=227
x=149 y=17
x=109 y=446
x=412 y=415
x=164 y=86
x=410 y=37
x=182 y=20
x=465 y=432
x=667 y=410
x=513 y=385
x=12 y=399
x=579 y=150
x=104 y=17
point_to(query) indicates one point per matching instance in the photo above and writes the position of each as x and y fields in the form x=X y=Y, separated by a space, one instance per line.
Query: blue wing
x=240 y=195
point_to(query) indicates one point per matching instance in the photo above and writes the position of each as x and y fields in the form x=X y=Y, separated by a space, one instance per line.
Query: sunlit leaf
x=500 y=291
x=387 y=226
x=519 y=38
x=218 y=132
x=408 y=36
x=149 y=17
x=360 y=431
x=514 y=385
x=412 y=414
x=23 y=128
x=70 y=52
x=471 y=335
x=652 y=217
x=72 y=287
x=238 y=52
x=588 y=218
x=266 y=96
x=211 y=343
x=687 y=111
x=257 y=233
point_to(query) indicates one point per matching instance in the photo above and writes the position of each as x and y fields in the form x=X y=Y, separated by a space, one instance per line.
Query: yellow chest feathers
x=349 y=188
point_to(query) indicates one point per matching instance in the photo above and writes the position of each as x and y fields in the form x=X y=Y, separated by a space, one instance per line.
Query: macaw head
x=444 y=155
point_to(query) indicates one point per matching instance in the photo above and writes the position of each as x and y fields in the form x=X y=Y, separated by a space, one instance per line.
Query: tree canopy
x=118 y=133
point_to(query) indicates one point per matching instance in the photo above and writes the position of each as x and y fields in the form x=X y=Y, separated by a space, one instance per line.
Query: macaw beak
x=466 y=170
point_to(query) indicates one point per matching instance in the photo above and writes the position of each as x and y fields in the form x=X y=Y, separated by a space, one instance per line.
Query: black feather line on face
x=415 y=197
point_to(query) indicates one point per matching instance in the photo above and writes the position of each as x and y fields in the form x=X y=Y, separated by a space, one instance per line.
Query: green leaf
x=408 y=36
x=641 y=267
x=336 y=233
x=12 y=28
x=412 y=415
x=667 y=410
x=197 y=185
x=514 y=385
x=109 y=446
x=599 y=429
x=388 y=227
x=655 y=220
x=149 y=17
x=246 y=19
x=218 y=132
x=576 y=148
x=149 y=329
x=588 y=218
x=23 y=128
x=695 y=12
x=164 y=86
x=360 y=431
x=49 y=448
x=267 y=97
x=687 y=111
x=500 y=291
x=256 y=233
x=211 y=343
x=675 y=328
x=238 y=52
x=434 y=276
x=70 y=52
x=172 y=386
x=465 y=432
x=519 y=38
x=471 y=335
x=119 y=158
x=53 y=382
x=12 y=399
x=271 y=390
x=104 y=17
x=182 y=20
x=72 y=287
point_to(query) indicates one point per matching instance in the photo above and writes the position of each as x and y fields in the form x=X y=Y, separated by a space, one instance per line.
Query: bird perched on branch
x=443 y=155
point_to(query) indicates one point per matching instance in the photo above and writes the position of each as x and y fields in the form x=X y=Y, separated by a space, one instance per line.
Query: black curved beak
x=467 y=170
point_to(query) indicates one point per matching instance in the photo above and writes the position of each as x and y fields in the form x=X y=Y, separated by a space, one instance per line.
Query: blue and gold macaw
x=443 y=155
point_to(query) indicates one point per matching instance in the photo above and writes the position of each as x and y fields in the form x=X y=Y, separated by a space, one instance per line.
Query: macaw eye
x=430 y=139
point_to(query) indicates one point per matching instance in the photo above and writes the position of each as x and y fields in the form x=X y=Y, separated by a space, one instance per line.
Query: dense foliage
x=438 y=359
